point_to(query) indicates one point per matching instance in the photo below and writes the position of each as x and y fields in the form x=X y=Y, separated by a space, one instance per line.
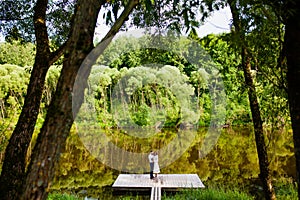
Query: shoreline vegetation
x=284 y=191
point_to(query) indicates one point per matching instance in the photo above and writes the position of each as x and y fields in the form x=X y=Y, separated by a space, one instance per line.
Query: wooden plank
x=152 y=193
x=159 y=193
x=129 y=181
x=162 y=181
x=155 y=193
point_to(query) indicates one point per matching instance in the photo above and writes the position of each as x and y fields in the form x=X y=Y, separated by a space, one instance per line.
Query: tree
x=220 y=49
x=289 y=13
x=60 y=117
x=291 y=16
x=239 y=31
x=14 y=164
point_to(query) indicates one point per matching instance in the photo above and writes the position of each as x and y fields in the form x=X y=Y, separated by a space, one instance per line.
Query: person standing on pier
x=151 y=161
x=156 y=169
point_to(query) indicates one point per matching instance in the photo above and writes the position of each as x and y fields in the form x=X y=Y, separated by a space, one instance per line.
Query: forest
x=61 y=88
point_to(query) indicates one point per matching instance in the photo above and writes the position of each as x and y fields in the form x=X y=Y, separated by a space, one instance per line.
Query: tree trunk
x=59 y=119
x=13 y=168
x=265 y=176
x=292 y=44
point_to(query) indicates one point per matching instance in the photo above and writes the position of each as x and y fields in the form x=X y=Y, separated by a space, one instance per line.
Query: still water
x=92 y=161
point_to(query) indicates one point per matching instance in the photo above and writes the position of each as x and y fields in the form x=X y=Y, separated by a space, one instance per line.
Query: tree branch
x=54 y=56
x=120 y=21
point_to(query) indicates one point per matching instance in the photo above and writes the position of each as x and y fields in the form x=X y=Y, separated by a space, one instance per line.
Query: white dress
x=156 y=166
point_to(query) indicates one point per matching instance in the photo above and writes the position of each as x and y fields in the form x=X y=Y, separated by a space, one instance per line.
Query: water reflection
x=233 y=158
x=125 y=153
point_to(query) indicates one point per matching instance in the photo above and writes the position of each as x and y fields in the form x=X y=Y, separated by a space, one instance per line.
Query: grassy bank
x=186 y=194
x=210 y=193
x=286 y=191
x=65 y=196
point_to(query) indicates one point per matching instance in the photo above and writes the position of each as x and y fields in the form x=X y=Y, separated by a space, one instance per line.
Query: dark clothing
x=151 y=170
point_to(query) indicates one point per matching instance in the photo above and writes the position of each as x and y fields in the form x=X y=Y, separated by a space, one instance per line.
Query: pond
x=92 y=161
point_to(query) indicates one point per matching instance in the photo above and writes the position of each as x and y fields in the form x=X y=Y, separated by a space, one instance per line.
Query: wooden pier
x=166 y=181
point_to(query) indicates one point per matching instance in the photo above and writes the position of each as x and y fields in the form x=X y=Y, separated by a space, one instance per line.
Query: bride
x=156 y=169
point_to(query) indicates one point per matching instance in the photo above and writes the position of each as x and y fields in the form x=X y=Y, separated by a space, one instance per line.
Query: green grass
x=209 y=194
x=58 y=196
x=284 y=191
x=130 y=198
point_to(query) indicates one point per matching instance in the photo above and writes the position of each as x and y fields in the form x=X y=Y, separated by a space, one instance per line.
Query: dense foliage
x=13 y=84
x=125 y=58
x=16 y=20
x=17 y=53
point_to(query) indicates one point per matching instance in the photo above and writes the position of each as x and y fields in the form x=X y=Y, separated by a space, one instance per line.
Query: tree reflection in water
x=232 y=159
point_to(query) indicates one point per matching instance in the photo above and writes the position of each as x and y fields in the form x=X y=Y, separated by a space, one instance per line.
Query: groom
x=151 y=161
